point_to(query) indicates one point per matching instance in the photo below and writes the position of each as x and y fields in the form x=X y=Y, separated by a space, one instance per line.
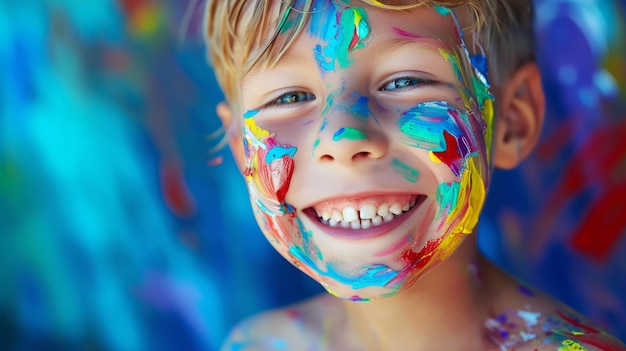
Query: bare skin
x=462 y=302
x=481 y=306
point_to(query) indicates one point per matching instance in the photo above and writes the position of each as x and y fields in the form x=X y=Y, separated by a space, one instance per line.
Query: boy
x=367 y=133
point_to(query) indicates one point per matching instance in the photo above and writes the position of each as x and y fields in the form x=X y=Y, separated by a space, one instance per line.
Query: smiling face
x=366 y=146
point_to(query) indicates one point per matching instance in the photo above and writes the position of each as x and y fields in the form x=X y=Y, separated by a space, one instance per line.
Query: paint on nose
x=350 y=134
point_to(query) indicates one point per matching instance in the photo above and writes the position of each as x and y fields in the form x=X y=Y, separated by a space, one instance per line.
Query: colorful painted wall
x=122 y=229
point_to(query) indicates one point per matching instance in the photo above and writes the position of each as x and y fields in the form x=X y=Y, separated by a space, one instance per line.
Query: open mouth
x=364 y=213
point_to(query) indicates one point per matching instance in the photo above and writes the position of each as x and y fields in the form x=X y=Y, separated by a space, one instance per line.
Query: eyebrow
x=411 y=39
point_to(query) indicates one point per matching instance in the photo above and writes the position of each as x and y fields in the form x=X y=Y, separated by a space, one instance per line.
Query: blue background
x=122 y=228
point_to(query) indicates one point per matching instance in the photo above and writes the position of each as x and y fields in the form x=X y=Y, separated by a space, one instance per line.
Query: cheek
x=269 y=168
x=451 y=136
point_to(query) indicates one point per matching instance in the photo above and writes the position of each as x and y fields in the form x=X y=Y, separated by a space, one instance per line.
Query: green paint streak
x=350 y=134
x=444 y=11
x=330 y=99
x=448 y=195
x=350 y=28
x=409 y=173
x=285 y=25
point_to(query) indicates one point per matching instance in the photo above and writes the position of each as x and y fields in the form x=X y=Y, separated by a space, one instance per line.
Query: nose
x=346 y=138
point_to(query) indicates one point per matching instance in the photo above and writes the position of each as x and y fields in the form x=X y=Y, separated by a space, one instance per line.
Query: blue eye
x=293 y=97
x=405 y=82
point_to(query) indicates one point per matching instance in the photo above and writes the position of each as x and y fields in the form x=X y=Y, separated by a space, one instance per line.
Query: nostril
x=362 y=154
x=326 y=158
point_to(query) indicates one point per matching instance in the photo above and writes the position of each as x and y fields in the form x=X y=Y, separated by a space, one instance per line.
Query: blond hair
x=243 y=33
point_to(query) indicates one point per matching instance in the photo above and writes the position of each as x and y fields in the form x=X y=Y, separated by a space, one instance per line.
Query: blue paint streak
x=277 y=152
x=250 y=113
x=425 y=123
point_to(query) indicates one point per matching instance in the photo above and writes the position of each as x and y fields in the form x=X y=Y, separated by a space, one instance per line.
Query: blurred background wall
x=121 y=228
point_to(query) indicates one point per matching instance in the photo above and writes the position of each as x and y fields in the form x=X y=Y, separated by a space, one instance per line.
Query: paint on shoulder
x=552 y=326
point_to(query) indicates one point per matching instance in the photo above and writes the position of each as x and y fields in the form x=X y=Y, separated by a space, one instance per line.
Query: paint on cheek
x=447 y=196
x=450 y=156
x=250 y=113
x=424 y=125
x=471 y=195
x=350 y=134
x=409 y=173
x=270 y=167
x=420 y=259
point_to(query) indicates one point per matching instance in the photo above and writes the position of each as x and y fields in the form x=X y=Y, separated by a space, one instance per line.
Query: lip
x=372 y=232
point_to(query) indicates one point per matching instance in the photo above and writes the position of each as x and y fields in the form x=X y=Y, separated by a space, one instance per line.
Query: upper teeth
x=365 y=217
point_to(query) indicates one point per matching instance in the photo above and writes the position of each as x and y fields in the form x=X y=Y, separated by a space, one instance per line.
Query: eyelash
x=415 y=81
x=297 y=94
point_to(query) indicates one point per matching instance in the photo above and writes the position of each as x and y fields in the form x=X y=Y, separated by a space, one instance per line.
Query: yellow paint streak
x=434 y=158
x=472 y=195
x=257 y=131
x=488 y=117
x=571 y=345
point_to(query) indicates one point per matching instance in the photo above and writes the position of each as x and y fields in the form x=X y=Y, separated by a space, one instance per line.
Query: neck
x=447 y=301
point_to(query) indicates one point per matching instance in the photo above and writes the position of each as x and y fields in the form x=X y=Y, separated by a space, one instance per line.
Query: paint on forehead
x=350 y=134
x=409 y=173
x=341 y=30
x=444 y=11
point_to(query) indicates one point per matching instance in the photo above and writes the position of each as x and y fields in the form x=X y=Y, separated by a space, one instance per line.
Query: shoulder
x=542 y=323
x=295 y=327
x=525 y=319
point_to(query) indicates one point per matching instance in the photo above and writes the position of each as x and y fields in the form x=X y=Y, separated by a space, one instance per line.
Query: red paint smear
x=451 y=153
x=276 y=176
x=576 y=323
x=404 y=33
x=176 y=195
x=592 y=336
x=603 y=224
x=597 y=164
x=355 y=39
x=420 y=259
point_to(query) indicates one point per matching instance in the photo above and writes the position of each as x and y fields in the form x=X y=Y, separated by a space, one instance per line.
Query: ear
x=519 y=118
x=234 y=135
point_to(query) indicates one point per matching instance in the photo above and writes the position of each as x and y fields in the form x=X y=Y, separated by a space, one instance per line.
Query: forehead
x=281 y=24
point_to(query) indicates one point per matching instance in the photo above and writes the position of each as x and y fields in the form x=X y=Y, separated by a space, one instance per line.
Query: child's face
x=366 y=147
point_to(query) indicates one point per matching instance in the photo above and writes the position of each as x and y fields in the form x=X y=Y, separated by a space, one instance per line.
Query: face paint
x=409 y=173
x=342 y=29
x=350 y=134
x=369 y=262
x=270 y=166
